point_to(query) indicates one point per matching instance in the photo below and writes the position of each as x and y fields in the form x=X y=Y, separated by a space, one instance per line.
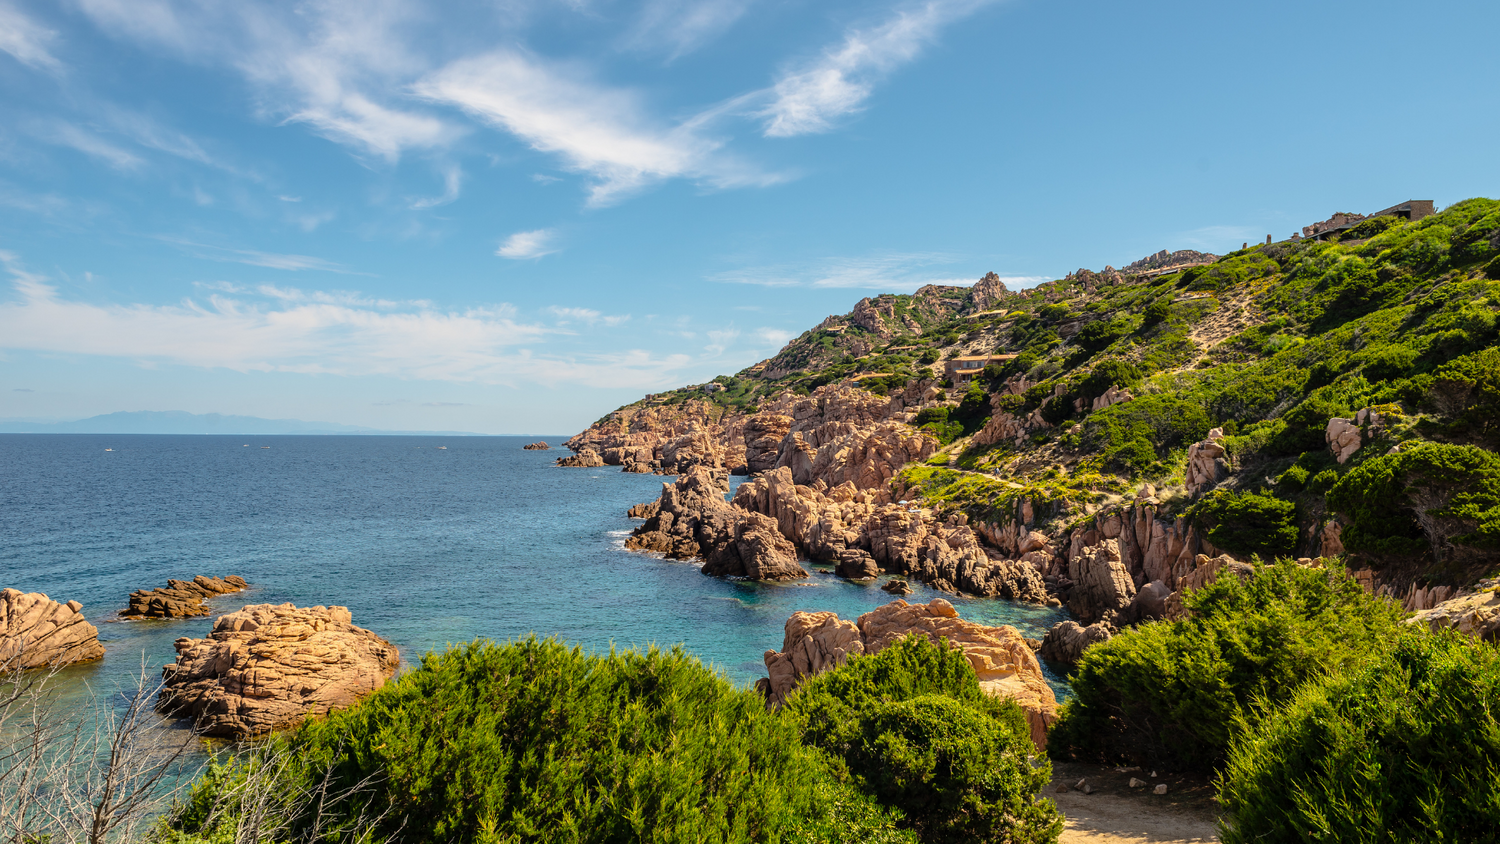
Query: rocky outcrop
x=1346 y=436
x=856 y=564
x=537 y=446
x=36 y=632
x=763 y=435
x=1066 y=641
x=586 y=459
x=1207 y=570
x=690 y=450
x=1206 y=463
x=897 y=587
x=266 y=667
x=989 y=292
x=1005 y=666
x=1112 y=396
x=1004 y=427
x=1331 y=539
x=692 y=520
x=1476 y=613
x=181 y=598
x=1102 y=587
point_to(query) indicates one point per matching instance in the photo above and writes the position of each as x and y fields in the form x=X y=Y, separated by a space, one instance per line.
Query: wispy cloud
x=88 y=143
x=453 y=178
x=313 y=333
x=254 y=258
x=679 y=27
x=586 y=315
x=886 y=272
x=599 y=131
x=25 y=40
x=524 y=245
x=809 y=98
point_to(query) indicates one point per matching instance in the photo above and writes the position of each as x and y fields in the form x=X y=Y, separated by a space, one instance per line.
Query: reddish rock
x=36 y=632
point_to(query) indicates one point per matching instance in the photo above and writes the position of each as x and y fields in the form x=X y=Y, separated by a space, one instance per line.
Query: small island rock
x=36 y=631
x=586 y=459
x=181 y=598
x=537 y=446
x=268 y=666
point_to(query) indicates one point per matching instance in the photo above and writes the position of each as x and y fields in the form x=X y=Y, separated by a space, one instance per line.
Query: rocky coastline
x=181 y=598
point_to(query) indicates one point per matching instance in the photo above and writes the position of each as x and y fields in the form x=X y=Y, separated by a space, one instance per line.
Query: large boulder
x=36 y=632
x=586 y=459
x=692 y=520
x=1207 y=463
x=1207 y=571
x=1066 y=641
x=1474 y=613
x=181 y=598
x=1004 y=664
x=1102 y=587
x=268 y=666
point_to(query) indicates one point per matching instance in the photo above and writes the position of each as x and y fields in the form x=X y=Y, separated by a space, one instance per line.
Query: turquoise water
x=427 y=546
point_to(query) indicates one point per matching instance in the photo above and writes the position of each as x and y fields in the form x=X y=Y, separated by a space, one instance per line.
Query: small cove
x=426 y=546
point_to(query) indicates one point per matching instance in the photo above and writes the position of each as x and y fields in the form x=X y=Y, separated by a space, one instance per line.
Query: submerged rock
x=181 y=598
x=36 y=632
x=268 y=666
x=1006 y=667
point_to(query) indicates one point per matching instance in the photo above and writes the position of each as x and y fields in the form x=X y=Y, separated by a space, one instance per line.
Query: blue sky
x=512 y=217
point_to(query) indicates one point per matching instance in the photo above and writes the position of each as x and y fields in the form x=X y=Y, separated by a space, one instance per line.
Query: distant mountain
x=180 y=422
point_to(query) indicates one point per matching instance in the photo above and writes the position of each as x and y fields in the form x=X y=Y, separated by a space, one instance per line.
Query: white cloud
x=598 y=131
x=720 y=340
x=809 y=99
x=678 y=27
x=26 y=40
x=311 y=222
x=68 y=135
x=452 y=182
x=586 y=315
x=774 y=337
x=524 y=245
x=313 y=333
x=254 y=258
x=337 y=66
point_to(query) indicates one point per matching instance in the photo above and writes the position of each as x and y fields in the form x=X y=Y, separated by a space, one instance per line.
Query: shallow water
x=426 y=546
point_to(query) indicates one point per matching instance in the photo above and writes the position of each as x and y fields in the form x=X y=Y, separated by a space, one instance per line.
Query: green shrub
x=1246 y=523
x=1402 y=748
x=536 y=741
x=1446 y=497
x=930 y=356
x=1170 y=693
x=1323 y=481
x=1134 y=434
x=911 y=726
x=1293 y=479
x=1156 y=313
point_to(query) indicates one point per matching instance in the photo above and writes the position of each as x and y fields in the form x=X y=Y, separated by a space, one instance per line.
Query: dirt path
x=1115 y=813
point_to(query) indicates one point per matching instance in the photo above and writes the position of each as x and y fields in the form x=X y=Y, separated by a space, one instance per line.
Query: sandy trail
x=1117 y=814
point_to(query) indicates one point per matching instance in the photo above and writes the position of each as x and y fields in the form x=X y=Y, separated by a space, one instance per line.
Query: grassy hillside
x=1266 y=343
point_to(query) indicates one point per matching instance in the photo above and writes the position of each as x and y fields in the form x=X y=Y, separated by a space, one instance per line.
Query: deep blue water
x=426 y=546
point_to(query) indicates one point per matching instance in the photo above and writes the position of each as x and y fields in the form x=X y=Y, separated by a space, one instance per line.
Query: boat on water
x=109 y=449
x=443 y=447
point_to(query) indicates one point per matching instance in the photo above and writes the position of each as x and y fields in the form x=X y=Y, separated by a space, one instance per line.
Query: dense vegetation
x=1171 y=693
x=1403 y=746
x=536 y=741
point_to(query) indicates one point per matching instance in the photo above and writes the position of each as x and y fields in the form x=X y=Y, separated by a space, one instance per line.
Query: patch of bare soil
x=1115 y=813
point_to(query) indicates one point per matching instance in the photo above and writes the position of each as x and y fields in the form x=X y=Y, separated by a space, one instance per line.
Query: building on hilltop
x=1412 y=209
x=963 y=369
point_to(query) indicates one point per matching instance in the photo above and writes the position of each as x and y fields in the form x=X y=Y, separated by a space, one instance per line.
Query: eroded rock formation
x=36 y=631
x=537 y=446
x=181 y=598
x=1066 y=641
x=1346 y=436
x=266 y=667
x=692 y=520
x=1102 y=587
x=1206 y=463
x=1474 y=613
x=1006 y=667
x=586 y=459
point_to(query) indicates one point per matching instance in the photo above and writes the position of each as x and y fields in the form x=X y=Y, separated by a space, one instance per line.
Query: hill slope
x=1247 y=404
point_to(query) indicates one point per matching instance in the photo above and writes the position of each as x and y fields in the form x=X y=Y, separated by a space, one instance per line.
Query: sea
x=430 y=541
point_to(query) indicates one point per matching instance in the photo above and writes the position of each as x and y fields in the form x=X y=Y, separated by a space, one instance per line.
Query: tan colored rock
x=1066 y=641
x=1331 y=541
x=1206 y=463
x=692 y=519
x=1207 y=571
x=1005 y=666
x=537 y=446
x=267 y=667
x=586 y=459
x=1102 y=588
x=1112 y=396
x=1475 y=613
x=37 y=632
x=181 y=598
x=763 y=435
